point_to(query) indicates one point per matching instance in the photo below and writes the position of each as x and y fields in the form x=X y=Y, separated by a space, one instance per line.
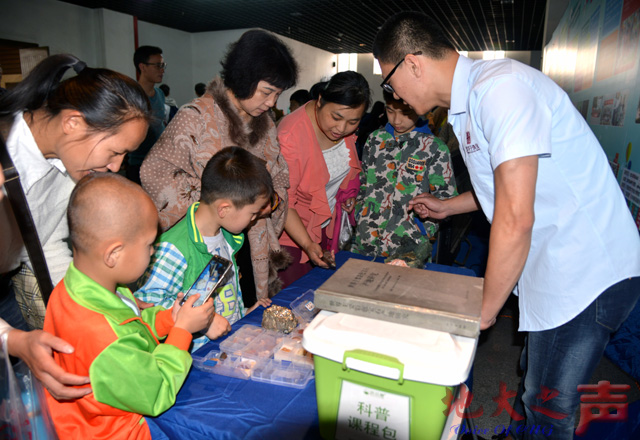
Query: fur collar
x=257 y=128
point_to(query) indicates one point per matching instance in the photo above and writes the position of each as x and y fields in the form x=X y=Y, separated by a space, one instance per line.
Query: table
x=210 y=406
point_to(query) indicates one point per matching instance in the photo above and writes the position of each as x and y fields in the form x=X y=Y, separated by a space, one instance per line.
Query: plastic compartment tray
x=291 y=349
x=282 y=373
x=236 y=342
x=263 y=346
x=232 y=366
x=303 y=307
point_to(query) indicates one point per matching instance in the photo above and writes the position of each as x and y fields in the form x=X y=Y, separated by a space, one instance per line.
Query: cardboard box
x=416 y=297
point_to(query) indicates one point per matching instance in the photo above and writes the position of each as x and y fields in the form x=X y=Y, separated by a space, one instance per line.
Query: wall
x=63 y=27
x=365 y=67
x=208 y=49
x=593 y=55
x=531 y=58
x=176 y=50
x=105 y=38
x=117 y=41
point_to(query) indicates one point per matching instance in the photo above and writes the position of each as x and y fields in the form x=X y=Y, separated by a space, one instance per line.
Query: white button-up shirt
x=584 y=239
x=47 y=187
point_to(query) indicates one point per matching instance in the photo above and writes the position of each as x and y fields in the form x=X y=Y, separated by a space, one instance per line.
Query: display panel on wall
x=593 y=55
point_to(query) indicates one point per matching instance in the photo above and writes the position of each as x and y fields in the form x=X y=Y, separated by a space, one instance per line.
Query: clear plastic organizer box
x=303 y=307
x=249 y=354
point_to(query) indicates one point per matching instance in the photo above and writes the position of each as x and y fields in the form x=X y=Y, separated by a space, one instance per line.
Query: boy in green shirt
x=236 y=189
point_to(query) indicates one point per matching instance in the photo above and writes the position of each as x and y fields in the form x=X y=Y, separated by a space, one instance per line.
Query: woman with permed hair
x=318 y=143
x=233 y=111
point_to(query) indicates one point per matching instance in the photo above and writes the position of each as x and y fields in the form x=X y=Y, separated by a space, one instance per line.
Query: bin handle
x=376 y=359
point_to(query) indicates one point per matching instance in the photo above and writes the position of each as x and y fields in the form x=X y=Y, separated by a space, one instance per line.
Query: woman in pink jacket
x=318 y=143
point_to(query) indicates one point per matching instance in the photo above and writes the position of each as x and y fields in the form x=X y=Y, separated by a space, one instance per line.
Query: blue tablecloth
x=210 y=406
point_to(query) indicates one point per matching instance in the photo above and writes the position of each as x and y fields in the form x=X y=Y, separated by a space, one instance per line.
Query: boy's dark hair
x=142 y=55
x=410 y=32
x=347 y=88
x=388 y=98
x=165 y=89
x=234 y=173
x=200 y=89
x=301 y=96
x=258 y=56
x=106 y=99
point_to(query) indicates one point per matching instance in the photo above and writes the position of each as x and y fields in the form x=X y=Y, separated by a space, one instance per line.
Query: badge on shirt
x=415 y=164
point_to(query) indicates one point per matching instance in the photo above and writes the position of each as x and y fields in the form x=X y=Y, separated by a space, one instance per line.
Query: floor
x=499 y=348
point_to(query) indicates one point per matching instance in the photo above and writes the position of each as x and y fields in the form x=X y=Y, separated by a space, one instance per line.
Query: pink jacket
x=308 y=176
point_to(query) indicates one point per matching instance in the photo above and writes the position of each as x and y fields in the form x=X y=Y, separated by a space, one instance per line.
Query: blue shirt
x=584 y=239
x=156 y=127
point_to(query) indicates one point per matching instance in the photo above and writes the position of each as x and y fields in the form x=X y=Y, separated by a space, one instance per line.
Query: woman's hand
x=36 y=349
x=315 y=253
x=264 y=302
x=349 y=204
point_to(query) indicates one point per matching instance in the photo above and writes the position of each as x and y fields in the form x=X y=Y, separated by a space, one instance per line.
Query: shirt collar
x=422 y=126
x=196 y=236
x=194 y=232
x=27 y=156
x=460 y=86
x=86 y=292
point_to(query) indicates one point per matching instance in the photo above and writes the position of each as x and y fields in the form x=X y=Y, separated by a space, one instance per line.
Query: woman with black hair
x=55 y=133
x=233 y=111
x=318 y=143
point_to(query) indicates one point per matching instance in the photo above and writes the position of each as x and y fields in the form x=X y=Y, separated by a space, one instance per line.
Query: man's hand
x=425 y=205
x=36 y=349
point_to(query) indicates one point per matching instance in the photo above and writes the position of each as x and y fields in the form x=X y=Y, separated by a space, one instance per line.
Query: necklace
x=315 y=112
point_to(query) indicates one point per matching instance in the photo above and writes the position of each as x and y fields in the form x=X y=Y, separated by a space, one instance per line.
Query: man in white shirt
x=561 y=233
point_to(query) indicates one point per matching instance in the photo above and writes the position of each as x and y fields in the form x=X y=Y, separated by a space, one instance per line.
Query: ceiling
x=347 y=26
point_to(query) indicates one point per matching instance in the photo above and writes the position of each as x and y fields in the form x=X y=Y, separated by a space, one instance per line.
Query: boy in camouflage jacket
x=399 y=162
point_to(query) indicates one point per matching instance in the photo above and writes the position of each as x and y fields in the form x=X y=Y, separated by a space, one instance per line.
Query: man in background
x=150 y=68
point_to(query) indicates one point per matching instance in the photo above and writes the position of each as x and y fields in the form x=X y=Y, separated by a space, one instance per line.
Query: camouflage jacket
x=394 y=170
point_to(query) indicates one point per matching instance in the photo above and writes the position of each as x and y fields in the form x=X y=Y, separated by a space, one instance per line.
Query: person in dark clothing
x=370 y=122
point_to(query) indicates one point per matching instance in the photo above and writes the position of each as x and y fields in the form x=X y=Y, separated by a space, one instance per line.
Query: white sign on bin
x=368 y=413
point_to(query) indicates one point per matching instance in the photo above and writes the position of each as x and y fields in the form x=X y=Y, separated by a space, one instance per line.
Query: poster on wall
x=631 y=186
x=612 y=14
x=583 y=108
x=607 y=109
x=611 y=100
x=619 y=108
x=596 y=109
x=629 y=36
x=607 y=56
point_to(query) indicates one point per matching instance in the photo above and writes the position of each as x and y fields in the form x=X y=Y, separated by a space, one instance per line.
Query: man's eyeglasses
x=385 y=84
x=158 y=65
